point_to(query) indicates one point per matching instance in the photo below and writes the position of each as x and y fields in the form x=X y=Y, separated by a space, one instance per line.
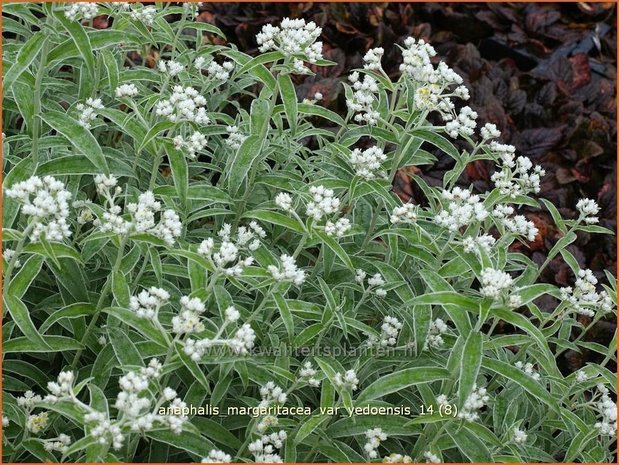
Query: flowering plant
x=186 y=241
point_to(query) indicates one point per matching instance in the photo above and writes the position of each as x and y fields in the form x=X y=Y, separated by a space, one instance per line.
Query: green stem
x=104 y=293
x=36 y=102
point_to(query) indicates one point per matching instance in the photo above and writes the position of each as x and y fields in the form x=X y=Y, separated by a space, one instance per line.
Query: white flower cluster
x=29 y=400
x=62 y=389
x=85 y=10
x=45 y=200
x=339 y=228
x=583 y=298
x=516 y=176
x=272 y=394
x=375 y=283
x=8 y=255
x=347 y=380
x=434 y=339
x=374 y=437
x=397 y=458
x=417 y=60
x=145 y=15
x=478 y=243
x=494 y=282
x=240 y=343
x=126 y=90
x=194 y=144
x=148 y=302
x=170 y=67
x=463 y=209
x=227 y=259
x=217 y=456
x=389 y=331
x=371 y=60
x=323 y=202
x=363 y=99
x=473 y=403
x=517 y=225
x=287 y=271
x=136 y=408
x=294 y=38
x=37 y=423
x=608 y=409
x=214 y=69
x=307 y=374
x=581 y=376
x=406 y=213
x=264 y=449
x=588 y=210
x=431 y=458
x=188 y=320
x=529 y=369
x=60 y=444
x=142 y=214
x=464 y=124
x=368 y=162
x=283 y=200
x=88 y=111
x=519 y=436
x=235 y=137
x=185 y=103
x=489 y=131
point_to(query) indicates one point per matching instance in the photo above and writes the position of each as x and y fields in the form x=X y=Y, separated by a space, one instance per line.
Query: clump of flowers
x=264 y=449
x=473 y=404
x=88 y=111
x=185 y=104
x=583 y=297
x=46 y=201
x=364 y=99
x=434 y=339
x=463 y=208
x=367 y=162
x=374 y=437
x=529 y=369
x=347 y=380
x=83 y=10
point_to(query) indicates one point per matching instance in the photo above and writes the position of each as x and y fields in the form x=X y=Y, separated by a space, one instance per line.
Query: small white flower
x=307 y=374
x=294 y=38
x=431 y=458
x=374 y=437
x=85 y=10
x=148 y=302
x=235 y=137
x=581 y=376
x=406 y=213
x=287 y=271
x=88 y=111
x=145 y=14
x=494 y=282
x=45 y=200
x=347 y=380
x=588 y=210
x=171 y=68
x=434 y=338
x=520 y=437
x=490 y=131
x=364 y=99
x=339 y=228
x=37 y=423
x=529 y=369
x=323 y=202
x=463 y=209
x=185 y=104
x=284 y=201
x=474 y=402
x=28 y=400
x=126 y=90
x=8 y=255
x=217 y=456
x=372 y=58
x=367 y=162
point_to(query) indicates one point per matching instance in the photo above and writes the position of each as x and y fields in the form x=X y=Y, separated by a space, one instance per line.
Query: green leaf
x=26 y=55
x=469 y=365
x=143 y=326
x=525 y=381
x=275 y=218
x=399 y=380
x=125 y=350
x=245 y=157
x=69 y=312
x=52 y=344
x=289 y=98
x=27 y=273
x=317 y=110
x=80 y=39
x=21 y=316
x=197 y=445
x=469 y=443
x=54 y=250
x=180 y=173
x=336 y=248
x=192 y=366
x=78 y=136
x=120 y=289
x=286 y=314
